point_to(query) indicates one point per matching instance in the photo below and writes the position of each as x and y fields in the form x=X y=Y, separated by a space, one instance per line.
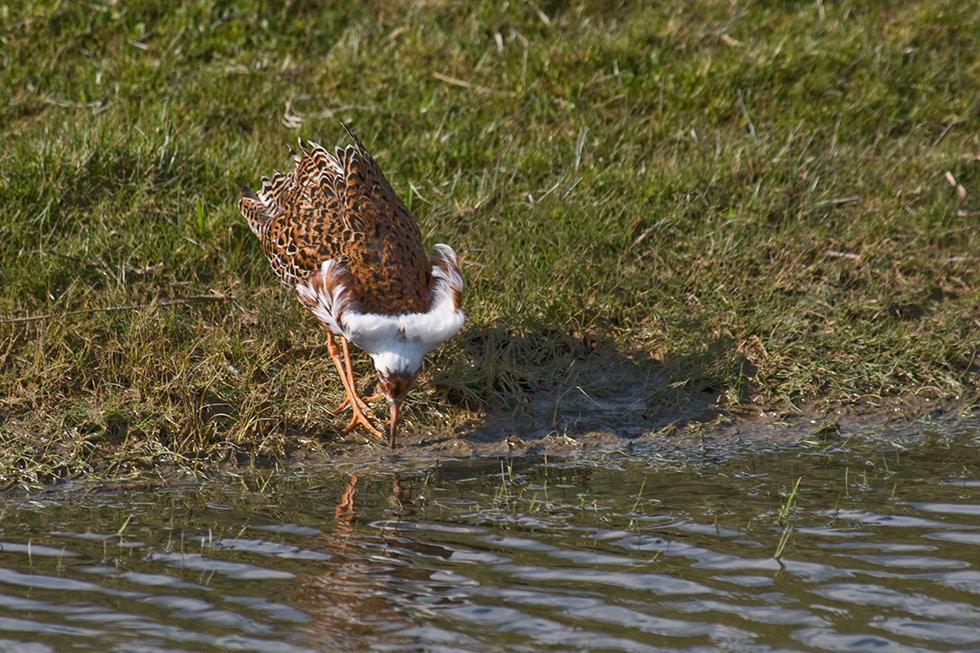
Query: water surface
x=879 y=550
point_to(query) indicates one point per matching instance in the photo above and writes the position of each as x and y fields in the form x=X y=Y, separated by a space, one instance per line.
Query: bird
x=336 y=232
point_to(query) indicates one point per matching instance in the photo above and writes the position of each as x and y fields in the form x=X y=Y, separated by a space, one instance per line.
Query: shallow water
x=880 y=553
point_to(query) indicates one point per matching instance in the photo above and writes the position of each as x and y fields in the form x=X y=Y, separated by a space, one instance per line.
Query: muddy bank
x=606 y=407
x=579 y=424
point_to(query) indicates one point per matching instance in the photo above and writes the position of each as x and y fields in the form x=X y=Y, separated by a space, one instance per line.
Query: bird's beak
x=394 y=423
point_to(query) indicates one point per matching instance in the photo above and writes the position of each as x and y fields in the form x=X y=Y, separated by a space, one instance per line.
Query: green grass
x=750 y=197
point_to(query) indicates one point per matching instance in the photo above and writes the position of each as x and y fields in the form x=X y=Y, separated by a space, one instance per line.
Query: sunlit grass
x=771 y=203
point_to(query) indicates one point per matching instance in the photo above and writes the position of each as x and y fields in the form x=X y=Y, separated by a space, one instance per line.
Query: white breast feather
x=325 y=295
x=397 y=343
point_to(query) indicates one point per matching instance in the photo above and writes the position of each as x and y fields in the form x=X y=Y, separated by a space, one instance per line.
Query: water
x=879 y=553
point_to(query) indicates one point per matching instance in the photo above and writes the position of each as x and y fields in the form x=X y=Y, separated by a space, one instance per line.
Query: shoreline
x=714 y=435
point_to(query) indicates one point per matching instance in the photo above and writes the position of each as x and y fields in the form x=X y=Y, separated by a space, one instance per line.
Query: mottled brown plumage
x=342 y=208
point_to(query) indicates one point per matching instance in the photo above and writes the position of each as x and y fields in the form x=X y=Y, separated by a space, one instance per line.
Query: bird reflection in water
x=360 y=599
x=344 y=512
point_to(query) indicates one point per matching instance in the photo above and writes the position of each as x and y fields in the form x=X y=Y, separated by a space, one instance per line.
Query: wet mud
x=579 y=423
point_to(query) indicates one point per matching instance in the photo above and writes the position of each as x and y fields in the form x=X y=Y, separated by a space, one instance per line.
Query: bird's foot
x=362 y=403
x=361 y=419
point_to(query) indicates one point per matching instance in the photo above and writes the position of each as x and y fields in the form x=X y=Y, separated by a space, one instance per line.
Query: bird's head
x=395 y=385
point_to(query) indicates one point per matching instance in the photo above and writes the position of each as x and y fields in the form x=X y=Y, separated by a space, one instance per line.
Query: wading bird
x=336 y=232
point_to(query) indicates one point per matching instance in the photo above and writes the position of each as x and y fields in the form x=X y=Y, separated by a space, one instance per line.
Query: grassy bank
x=771 y=202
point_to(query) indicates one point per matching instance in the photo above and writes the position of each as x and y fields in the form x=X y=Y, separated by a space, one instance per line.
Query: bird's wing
x=381 y=241
x=298 y=215
x=341 y=207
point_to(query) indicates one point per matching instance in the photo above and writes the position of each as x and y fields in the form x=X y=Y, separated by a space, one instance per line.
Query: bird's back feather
x=341 y=207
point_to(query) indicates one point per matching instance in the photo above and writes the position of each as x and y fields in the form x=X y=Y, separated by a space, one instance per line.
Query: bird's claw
x=362 y=403
x=361 y=419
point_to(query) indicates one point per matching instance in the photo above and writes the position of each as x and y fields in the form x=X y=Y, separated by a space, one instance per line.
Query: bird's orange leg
x=335 y=356
x=363 y=403
x=359 y=417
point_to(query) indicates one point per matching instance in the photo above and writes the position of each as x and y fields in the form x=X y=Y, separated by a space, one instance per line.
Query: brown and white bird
x=335 y=231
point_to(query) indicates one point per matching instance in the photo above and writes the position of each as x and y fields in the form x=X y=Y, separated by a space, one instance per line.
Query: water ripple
x=659 y=584
x=569 y=556
x=197 y=562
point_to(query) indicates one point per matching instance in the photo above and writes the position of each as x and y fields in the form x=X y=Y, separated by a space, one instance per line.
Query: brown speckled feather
x=342 y=207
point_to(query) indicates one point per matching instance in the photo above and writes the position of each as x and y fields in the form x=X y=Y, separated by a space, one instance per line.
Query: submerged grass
x=773 y=202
